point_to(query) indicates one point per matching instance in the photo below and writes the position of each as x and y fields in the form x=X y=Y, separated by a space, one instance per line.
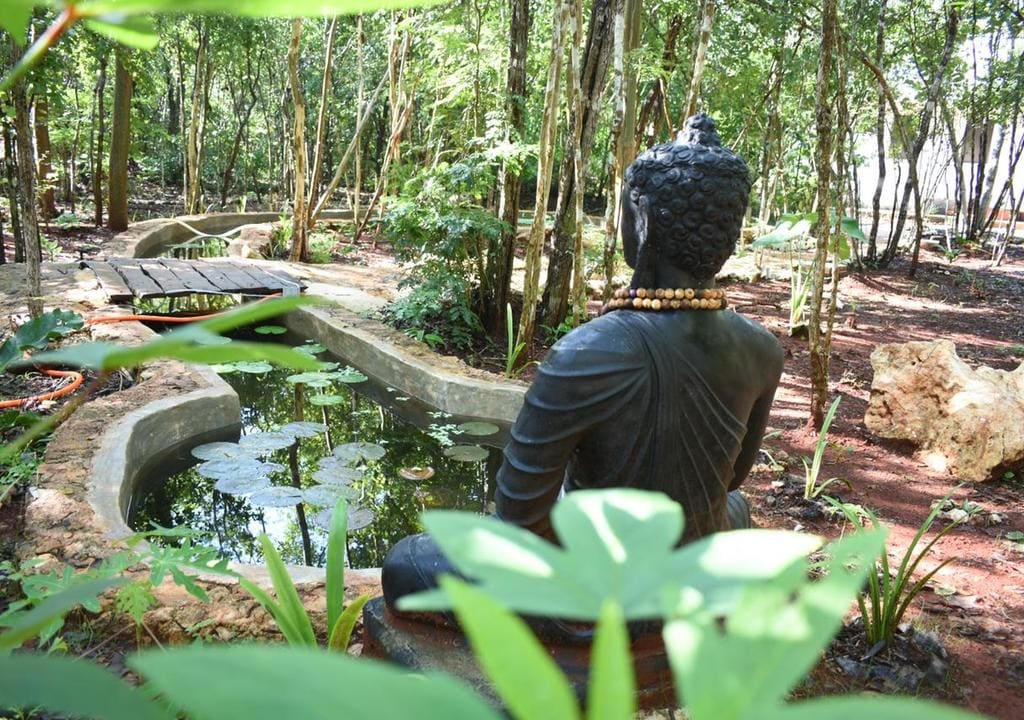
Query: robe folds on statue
x=623 y=402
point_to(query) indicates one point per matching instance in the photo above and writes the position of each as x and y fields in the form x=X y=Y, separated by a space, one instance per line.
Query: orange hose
x=70 y=388
x=78 y=379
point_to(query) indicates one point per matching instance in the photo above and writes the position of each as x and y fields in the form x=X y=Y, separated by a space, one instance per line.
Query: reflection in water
x=174 y=494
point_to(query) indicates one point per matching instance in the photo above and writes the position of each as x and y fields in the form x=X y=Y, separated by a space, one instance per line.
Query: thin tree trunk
x=545 y=161
x=11 y=176
x=622 y=145
x=27 y=197
x=47 y=197
x=197 y=124
x=562 y=263
x=321 y=123
x=97 y=158
x=575 y=101
x=244 y=114
x=957 y=151
x=360 y=100
x=120 y=145
x=823 y=157
x=699 y=59
x=650 y=119
x=876 y=198
x=501 y=251
x=300 y=242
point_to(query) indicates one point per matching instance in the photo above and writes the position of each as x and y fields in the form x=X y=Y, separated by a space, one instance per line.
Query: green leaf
x=525 y=677
x=617 y=544
x=611 y=694
x=851 y=228
x=28 y=624
x=773 y=637
x=335 y=572
x=467 y=453
x=875 y=707
x=72 y=687
x=271 y=330
x=266 y=682
x=14 y=18
x=341 y=631
x=477 y=428
x=246 y=8
x=287 y=596
x=843 y=246
x=132 y=30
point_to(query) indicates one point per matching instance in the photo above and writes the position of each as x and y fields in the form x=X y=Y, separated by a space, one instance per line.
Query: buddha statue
x=667 y=390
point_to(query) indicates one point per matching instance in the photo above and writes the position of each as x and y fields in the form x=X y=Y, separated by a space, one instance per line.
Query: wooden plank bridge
x=144 y=278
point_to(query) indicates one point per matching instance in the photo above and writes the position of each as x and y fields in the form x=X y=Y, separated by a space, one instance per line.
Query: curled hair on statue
x=685 y=202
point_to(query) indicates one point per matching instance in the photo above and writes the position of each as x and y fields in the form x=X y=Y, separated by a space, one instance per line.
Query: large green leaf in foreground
x=619 y=545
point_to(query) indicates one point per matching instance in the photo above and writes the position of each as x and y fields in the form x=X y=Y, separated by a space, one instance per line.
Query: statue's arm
x=759 y=414
x=576 y=388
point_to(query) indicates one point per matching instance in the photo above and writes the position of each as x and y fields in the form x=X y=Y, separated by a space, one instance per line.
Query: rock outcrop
x=253 y=242
x=966 y=421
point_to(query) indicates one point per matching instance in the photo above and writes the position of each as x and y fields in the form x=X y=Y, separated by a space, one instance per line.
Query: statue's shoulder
x=758 y=339
x=608 y=336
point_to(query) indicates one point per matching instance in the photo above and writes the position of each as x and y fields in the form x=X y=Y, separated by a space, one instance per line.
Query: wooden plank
x=189 y=276
x=141 y=284
x=165 y=278
x=110 y=282
x=229 y=278
x=273 y=282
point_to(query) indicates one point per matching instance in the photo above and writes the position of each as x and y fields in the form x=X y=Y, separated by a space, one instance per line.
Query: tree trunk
x=11 y=176
x=360 y=100
x=913 y=150
x=27 y=197
x=197 y=124
x=501 y=251
x=244 y=113
x=320 y=143
x=707 y=18
x=596 y=59
x=876 y=198
x=97 y=158
x=622 y=146
x=545 y=161
x=771 y=147
x=652 y=113
x=957 y=151
x=47 y=197
x=120 y=145
x=823 y=158
x=300 y=243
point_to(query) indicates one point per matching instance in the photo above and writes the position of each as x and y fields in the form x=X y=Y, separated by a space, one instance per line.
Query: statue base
x=428 y=648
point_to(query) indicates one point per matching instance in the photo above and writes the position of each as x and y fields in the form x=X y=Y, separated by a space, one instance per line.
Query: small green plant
x=321 y=248
x=887 y=598
x=287 y=610
x=513 y=349
x=812 y=470
x=37 y=333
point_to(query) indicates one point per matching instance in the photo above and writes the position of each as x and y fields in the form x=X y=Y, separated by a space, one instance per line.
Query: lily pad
x=354 y=452
x=360 y=517
x=337 y=474
x=241 y=485
x=327 y=495
x=276 y=496
x=467 y=453
x=271 y=330
x=303 y=429
x=220 y=451
x=312 y=379
x=348 y=375
x=416 y=473
x=212 y=340
x=224 y=368
x=266 y=442
x=253 y=367
x=478 y=428
x=311 y=348
x=326 y=399
x=243 y=467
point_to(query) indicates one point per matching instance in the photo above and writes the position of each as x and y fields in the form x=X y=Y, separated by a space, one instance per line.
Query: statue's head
x=683 y=204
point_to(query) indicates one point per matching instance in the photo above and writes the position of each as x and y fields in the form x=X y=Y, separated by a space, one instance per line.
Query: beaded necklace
x=656 y=299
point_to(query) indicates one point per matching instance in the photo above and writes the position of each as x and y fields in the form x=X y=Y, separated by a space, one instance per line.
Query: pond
x=344 y=434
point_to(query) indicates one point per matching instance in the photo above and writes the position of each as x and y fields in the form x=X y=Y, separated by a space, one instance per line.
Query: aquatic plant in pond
x=327 y=427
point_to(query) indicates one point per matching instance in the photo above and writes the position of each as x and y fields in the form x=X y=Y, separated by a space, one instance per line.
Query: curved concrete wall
x=151 y=237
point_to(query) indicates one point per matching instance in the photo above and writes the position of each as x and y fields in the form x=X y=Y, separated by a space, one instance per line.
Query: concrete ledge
x=150 y=237
x=449 y=391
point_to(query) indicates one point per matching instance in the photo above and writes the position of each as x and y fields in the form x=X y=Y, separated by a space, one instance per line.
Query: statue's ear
x=632 y=233
x=644 y=254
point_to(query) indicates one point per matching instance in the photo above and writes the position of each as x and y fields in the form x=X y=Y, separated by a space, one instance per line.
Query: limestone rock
x=966 y=421
x=253 y=241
